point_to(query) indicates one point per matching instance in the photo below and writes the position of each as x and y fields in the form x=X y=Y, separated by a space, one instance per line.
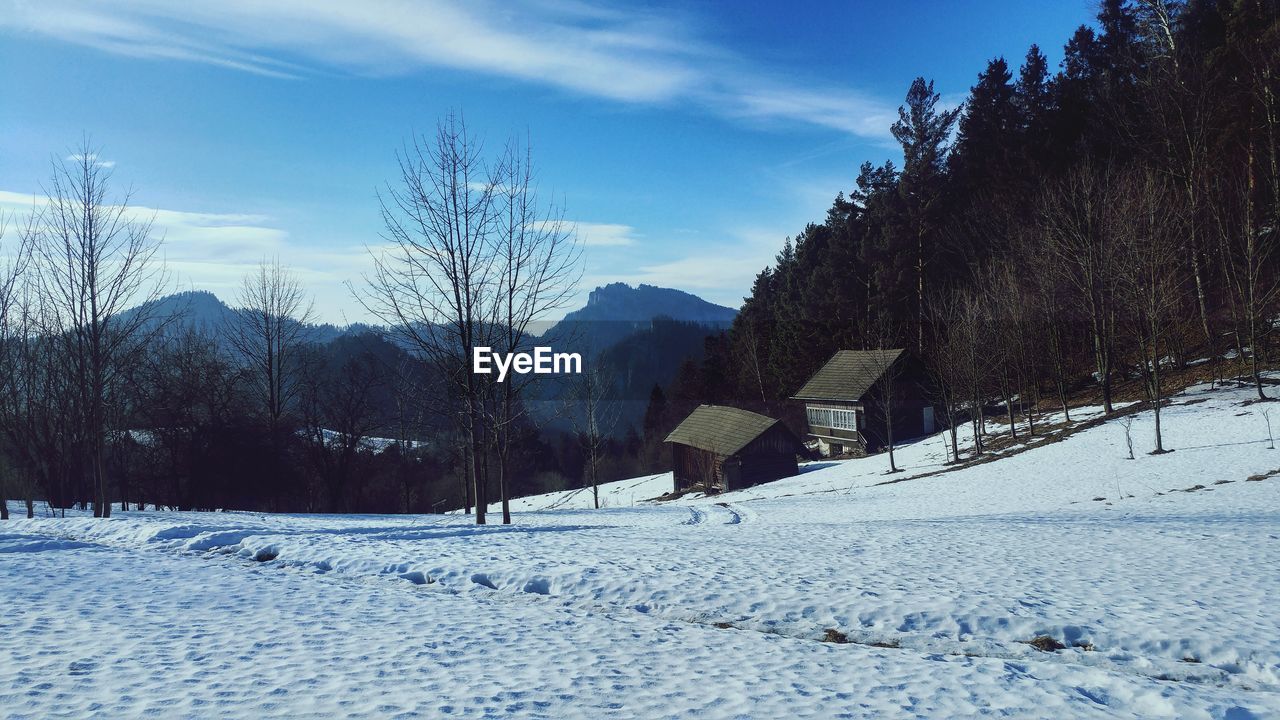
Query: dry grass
x=1045 y=643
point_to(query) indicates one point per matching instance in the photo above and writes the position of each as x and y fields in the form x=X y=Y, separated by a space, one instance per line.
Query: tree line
x=110 y=398
x=1114 y=219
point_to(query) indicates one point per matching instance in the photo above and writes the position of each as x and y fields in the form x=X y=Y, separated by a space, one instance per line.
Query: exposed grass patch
x=832 y=635
x=1045 y=643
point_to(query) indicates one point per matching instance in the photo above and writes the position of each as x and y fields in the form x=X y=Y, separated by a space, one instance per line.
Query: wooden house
x=844 y=400
x=726 y=448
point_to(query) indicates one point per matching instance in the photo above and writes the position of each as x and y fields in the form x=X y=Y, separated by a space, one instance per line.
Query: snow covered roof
x=848 y=375
x=720 y=429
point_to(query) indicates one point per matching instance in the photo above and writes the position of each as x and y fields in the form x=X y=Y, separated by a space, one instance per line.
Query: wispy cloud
x=630 y=56
x=93 y=158
x=605 y=234
x=213 y=251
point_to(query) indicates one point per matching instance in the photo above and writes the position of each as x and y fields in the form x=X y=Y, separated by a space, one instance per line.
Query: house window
x=832 y=418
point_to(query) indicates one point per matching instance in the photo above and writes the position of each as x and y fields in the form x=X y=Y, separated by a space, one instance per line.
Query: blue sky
x=688 y=140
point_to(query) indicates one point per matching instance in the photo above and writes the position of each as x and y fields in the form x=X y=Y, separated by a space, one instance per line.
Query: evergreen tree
x=923 y=131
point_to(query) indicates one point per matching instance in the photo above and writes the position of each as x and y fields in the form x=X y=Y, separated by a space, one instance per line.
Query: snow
x=621 y=493
x=708 y=607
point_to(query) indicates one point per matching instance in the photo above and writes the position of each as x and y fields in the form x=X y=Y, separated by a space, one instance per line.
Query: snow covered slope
x=1147 y=587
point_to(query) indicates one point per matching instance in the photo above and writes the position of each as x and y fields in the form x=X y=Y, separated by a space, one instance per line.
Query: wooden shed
x=844 y=400
x=727 y=448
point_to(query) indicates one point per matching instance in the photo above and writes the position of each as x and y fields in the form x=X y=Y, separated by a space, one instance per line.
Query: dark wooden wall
x=910 y=398
x=770 y=456
x=691 y=466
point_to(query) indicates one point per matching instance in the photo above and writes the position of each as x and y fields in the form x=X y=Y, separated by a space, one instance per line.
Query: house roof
x=719 y=429
x=848 y=375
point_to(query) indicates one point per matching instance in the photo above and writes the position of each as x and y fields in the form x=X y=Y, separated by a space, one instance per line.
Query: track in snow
x=735 y=517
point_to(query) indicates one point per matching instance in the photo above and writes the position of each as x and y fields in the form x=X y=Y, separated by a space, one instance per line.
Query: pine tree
x=923 y=131
x=655 y=415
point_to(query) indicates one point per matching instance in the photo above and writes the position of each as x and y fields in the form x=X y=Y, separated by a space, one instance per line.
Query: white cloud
x=605 y=234
x=629 y=56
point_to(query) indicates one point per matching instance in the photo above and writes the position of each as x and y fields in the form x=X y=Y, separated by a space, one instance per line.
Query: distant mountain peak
x=622 y=302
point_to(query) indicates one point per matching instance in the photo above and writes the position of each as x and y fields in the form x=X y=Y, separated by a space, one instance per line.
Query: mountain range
x=638 y=336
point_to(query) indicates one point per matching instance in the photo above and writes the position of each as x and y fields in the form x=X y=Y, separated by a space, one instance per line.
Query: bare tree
x=10 y=273
x=969 y=342
x=1018 y=332
x=943 y=356
x=1078 y=217
x=39 y=412
x=1053 y=320
x=473 y=260
x=93 y=260
x=1152 y=287
x=883 y=357
x=434 y=284
x=1248 y=243
x=340 y=416
x=267 y=330
x=188 y=392
x=594 y=411
x=1176 y=92
x=538 y=261
x=407 y=422
x=749 y=354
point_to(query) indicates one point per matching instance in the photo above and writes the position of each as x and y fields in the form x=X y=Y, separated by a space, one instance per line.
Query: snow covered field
x=1162 y=596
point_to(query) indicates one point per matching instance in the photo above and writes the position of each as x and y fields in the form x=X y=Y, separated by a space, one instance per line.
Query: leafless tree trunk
x=436 y=283
x=594 y=411
x=1251 y=281
x=1052 y=320
x=1078 y=217
x=1153 y=225
x=1175 y=91
x=474 y=259
x=10 y=273
x=408 y=421
x=884 y=358
x=267 y=330
x=968 y=330
x=943 y=358
x=94 y=259
x=751 y=342
x=537 y=256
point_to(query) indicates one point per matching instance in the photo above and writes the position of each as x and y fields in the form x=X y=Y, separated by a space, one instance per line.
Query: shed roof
x=720 y=429
x=848 y=375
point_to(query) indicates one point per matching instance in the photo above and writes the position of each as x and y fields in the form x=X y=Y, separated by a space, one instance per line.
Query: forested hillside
x=1109 y=218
